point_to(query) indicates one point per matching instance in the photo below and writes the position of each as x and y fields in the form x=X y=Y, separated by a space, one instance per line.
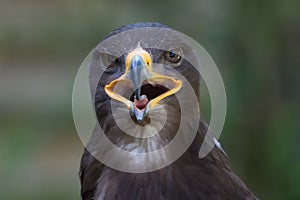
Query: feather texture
x=187 y=178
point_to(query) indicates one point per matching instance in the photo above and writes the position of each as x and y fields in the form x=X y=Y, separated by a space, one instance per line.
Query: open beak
x=147 y=87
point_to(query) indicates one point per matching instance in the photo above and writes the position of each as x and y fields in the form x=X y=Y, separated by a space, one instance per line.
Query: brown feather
x=187 y=178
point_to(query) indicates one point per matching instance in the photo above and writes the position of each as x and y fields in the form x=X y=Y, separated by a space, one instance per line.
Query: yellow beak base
x=123 y=83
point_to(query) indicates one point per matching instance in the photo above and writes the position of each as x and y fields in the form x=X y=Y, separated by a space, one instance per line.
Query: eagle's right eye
x=109 y=61
x=111 y=68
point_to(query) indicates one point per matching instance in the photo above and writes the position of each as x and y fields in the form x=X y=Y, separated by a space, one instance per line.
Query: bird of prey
x=188 y=177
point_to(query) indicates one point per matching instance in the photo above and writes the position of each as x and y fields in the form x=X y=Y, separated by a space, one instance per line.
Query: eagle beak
x=138 y=73
x=148 y=87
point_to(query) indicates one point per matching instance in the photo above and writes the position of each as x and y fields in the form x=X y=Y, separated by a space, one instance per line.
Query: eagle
x=134 y=92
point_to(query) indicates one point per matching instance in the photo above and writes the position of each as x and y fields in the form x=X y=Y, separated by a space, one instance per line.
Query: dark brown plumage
x=187 y=178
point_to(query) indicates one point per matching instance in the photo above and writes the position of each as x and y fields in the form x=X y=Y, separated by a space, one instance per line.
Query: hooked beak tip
x=140 y=108
x=138 y=114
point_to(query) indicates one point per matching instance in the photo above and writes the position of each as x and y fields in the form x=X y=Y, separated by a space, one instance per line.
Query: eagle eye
x=173 y=56
x=109 y=61
x=111 y=68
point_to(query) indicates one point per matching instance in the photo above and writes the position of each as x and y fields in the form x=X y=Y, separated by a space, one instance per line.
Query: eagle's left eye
x=173 y=56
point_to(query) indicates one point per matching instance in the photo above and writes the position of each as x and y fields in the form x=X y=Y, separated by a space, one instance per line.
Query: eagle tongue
x=141 y=103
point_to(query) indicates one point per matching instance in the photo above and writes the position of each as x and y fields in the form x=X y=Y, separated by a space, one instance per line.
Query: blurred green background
x=256 y=45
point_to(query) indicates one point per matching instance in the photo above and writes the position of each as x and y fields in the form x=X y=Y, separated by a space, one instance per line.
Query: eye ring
x=173 y=56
